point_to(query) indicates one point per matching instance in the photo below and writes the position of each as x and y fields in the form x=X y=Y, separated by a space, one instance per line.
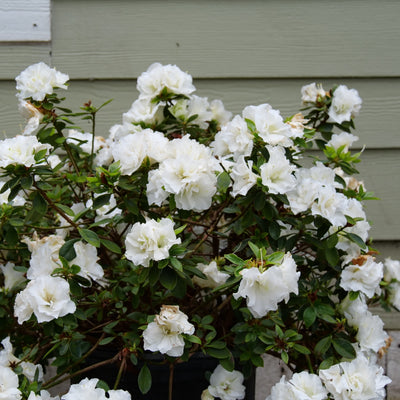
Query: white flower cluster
x=360 y=378
x=47 y=296
x=346 y=103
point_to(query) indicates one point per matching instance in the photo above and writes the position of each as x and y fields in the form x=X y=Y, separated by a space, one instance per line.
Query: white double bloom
x=150 y=241
x=47 y=297
x=164 y=334
x=264 y=290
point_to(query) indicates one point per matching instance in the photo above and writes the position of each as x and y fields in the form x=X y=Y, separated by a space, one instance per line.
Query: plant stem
x=52 y=205
x=93 y=136
x=120 y=370
x=171 y=380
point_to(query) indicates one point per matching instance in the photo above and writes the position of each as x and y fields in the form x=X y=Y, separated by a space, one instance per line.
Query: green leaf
x=168 y=278
x=323 y=345
x=67 y=249
x=255 y=249
x=90 y=237
x=218 y=353
x=112 y=246
x=301 y=349
x=26 y=182
x=65 y=209
x=106 y=340
x=353 y=295
x=39 y=204
x=228 y=363
x=356 y=239
x=332 y=256
x=101 y=201
x=309 y=316
x=223 y=182
x=234 y=259
x=144 y=379
x=285 y=357
x=326 y=363
x=193 y=339
x=344 y=348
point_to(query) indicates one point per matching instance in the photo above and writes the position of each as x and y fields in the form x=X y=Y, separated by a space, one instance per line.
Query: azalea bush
x=188 y=230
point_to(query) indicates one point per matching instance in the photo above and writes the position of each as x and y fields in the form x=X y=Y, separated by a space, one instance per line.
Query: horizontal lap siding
x=227 y=38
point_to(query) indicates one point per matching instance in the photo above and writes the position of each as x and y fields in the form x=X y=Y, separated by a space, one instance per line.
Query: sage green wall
x=243 y=52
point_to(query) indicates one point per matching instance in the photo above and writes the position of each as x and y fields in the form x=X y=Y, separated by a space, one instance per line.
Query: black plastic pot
x=189 y=378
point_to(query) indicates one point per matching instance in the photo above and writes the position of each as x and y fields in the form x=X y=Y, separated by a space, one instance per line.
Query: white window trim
x=25 y=21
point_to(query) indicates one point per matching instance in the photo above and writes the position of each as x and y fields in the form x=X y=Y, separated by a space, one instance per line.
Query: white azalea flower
x=264 y=290
x=11 y=277
x=188 y=174
x=215 y=277
x=119 y=395
x=7 y=359
x=164 y=334
x=226 y=385
x=158 y=77
x=47 y=297
x=364 y=275
x=38 y=80
x=106 y=211
x=132 y=149
x=243 y=177
x=185 y=108
x=32 y=115
x=18 y=200
x=346 y=103
x=85 y=389
x=330 y=205
x=360 y=379
x=311 y=92
x=20 y=150
x=206 y=395
x=276 y=174
x=143 y=110
x=391 y=269
x=234 y=139
x=306 y=386
x=281 y=391
x=342 y=139
x=354 y=310
x=44 y=395
x=150 y=241
x=219 y=113
x=269 y=124
x=9 y=384
x=371 y=335
x=45 y=255
x=86 y=258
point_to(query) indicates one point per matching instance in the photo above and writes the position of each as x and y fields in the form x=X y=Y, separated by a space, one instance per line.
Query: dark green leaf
x=67 y=249
x=323 y=345
x=106 y=340
x=309 y=316
x=332 y=256
x=168 y=278
x=90 y=237
x=344 y=348
x=101 y=201
x=144 y=379
x=112 y=246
